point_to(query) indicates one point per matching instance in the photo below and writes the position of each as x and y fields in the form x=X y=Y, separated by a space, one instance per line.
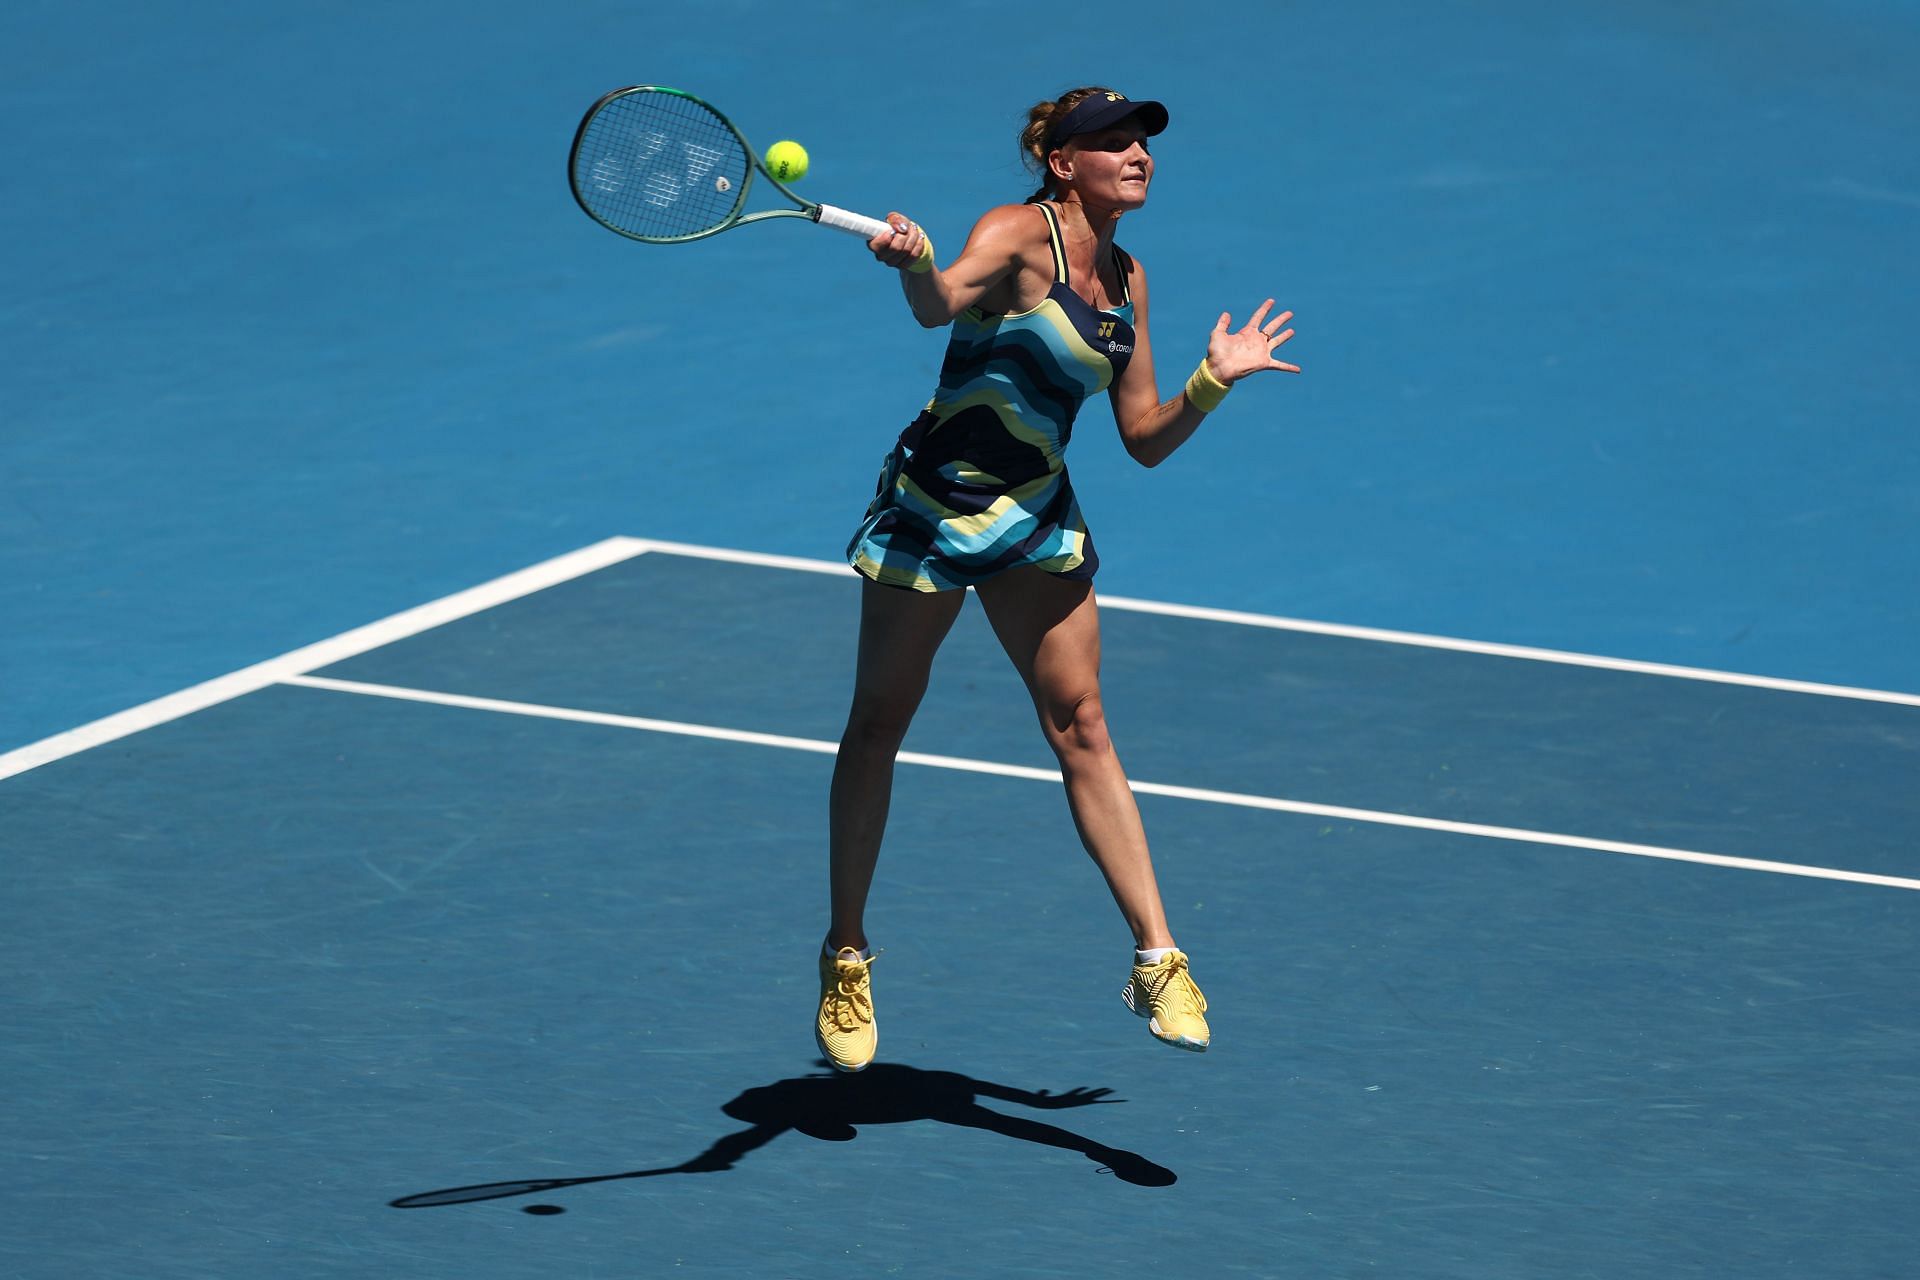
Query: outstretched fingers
x=1276 y=339
x=1233 y=354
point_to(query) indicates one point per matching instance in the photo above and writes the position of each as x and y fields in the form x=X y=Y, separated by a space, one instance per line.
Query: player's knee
x=877 y=725
x=1079 y=727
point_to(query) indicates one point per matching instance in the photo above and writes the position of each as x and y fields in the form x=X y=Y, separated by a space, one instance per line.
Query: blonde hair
x=1041 y=118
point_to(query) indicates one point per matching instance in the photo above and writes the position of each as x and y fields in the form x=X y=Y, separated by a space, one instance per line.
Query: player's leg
x=1050 y=628
x=900 y=631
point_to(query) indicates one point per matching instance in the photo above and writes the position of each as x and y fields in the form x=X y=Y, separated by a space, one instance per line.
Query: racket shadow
x=830 y=1107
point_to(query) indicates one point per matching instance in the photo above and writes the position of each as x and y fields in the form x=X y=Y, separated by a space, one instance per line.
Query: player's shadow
x=832 y=1107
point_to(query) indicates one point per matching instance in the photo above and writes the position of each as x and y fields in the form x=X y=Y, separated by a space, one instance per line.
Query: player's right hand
x=902 y=248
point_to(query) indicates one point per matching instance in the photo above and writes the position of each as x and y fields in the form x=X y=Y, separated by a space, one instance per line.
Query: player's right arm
x=999 y=246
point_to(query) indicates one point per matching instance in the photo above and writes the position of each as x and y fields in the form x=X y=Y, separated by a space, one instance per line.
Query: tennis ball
x=788 y=161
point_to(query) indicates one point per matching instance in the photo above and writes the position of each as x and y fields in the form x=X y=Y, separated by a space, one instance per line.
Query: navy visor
x=1103 y=110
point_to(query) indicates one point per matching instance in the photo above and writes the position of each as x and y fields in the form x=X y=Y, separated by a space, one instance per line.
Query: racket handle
x=852 y=223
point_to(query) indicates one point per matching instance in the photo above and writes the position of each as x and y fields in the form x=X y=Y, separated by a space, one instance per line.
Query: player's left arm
x=1152 y=428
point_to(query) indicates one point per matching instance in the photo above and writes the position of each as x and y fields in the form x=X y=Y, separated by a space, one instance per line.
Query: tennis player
x=1045 y=310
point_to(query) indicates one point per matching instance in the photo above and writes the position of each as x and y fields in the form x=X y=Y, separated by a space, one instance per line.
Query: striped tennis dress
x=977 y=484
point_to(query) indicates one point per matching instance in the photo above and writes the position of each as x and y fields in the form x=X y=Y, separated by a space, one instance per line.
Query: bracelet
x=1204 y=391
x=924 y=263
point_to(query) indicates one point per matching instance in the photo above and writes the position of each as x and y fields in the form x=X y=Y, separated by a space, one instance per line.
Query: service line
x=1273 y=803
x=611 y=551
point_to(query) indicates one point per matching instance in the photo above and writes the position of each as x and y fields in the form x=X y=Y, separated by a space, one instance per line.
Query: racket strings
x=660 y=166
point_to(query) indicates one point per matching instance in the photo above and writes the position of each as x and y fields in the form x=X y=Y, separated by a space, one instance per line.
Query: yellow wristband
x=1204 y=391
x=924 y=263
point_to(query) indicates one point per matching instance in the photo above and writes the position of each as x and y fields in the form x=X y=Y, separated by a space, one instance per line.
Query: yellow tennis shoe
x=844 y=1030
x=1165 y=994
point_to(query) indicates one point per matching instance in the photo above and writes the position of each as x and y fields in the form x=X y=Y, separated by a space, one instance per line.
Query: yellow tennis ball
x=787 y=161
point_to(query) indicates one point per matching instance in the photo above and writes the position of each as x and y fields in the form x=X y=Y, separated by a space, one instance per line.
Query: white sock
x=1152 y=955
x=828 y=950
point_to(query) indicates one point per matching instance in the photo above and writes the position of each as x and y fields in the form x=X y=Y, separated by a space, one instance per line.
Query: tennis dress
x=977 y=484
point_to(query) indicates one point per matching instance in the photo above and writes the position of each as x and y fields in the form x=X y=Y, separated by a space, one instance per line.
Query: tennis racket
x=660 y=166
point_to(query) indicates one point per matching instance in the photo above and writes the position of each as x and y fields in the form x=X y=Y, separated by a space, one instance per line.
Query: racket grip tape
x=853 y=223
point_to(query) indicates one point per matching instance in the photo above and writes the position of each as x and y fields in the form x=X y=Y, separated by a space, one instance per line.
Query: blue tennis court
x=389 y=957
x=424 y=644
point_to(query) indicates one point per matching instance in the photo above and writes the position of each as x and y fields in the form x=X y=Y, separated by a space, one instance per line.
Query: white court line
x=1410 y=638
x=341 y=647
x=1274 y=803
x=613 y=550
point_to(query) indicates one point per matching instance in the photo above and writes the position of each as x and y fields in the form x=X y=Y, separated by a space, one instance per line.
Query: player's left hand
x=1234 y=355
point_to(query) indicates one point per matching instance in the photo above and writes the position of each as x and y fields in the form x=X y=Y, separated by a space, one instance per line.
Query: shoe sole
x=1153 y=1025
x=835 y=1062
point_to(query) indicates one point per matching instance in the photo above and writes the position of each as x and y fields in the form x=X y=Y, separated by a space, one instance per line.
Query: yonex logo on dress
x=1106 y=330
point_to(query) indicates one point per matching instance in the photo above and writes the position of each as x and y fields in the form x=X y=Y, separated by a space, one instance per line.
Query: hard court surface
x=424 y=647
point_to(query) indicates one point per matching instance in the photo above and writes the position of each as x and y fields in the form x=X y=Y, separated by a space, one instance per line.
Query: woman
x=1045 y=310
